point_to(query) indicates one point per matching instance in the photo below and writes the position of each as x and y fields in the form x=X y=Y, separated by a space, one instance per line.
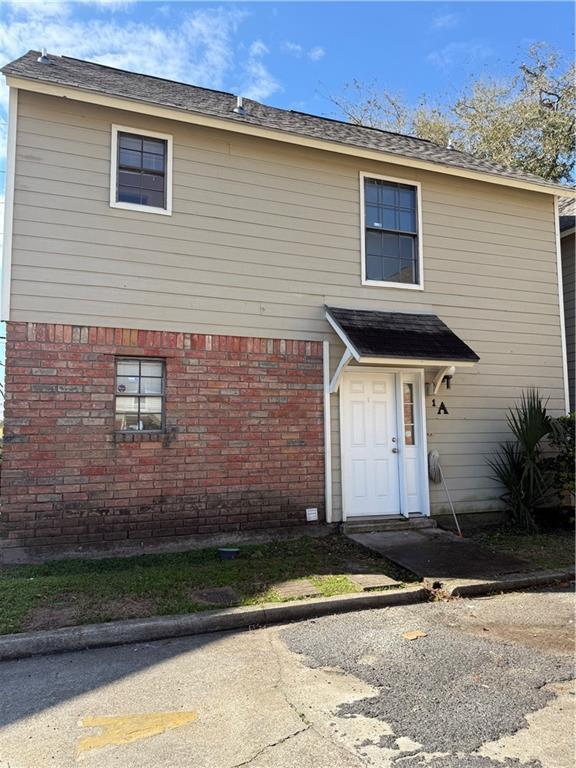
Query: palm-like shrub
x=519 y=465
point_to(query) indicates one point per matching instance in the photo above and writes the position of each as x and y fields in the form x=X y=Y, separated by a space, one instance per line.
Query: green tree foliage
x=525 y=121
x=562 y=463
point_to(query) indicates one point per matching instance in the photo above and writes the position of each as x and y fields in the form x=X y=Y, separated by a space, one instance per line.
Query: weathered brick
x=243 y=447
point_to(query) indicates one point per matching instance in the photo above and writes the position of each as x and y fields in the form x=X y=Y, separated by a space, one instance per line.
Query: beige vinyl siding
x=568 y=245
x=262 y=236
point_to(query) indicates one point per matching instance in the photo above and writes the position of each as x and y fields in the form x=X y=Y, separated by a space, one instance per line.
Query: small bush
x=561 y=465
x=519 y=466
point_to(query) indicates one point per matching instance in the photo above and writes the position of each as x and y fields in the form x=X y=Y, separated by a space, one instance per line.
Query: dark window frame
x=139 y=395
x=141 y=170
x=159 y=188
x=398 y=208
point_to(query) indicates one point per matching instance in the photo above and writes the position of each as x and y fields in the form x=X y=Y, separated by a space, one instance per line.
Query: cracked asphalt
x=489 y=686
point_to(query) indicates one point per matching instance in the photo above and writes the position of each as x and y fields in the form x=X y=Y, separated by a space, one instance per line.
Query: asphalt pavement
x=485 y=683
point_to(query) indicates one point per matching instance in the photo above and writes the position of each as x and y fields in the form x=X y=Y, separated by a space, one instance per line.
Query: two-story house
x=223 y=316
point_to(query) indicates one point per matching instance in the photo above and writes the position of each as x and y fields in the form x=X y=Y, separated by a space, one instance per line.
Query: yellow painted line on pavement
x=124 y=729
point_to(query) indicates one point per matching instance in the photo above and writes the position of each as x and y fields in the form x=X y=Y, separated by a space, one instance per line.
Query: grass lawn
x=69 y=592
x=545 y=551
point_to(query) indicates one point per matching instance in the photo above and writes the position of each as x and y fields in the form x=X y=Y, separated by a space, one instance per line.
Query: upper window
x=141 y=170
x=391 y=233
x=139 y=395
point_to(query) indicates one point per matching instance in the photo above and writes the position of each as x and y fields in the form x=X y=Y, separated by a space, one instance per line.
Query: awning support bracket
x=344 y=360
x=449 y=370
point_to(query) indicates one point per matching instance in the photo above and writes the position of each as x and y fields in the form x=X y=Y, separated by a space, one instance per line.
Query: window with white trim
x=140 y=387
x=391 y=232
x=141 y=170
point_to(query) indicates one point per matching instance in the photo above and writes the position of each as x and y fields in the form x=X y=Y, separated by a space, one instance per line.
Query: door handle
x=395 y=450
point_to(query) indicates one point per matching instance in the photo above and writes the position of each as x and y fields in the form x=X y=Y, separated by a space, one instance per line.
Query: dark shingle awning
x=396 y=337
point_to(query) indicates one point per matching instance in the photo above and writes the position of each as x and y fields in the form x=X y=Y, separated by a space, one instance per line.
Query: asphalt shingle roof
x=89 y=76
x=396 y=334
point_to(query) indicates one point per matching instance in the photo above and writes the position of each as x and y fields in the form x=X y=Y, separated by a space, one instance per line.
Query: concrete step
x=388 y=523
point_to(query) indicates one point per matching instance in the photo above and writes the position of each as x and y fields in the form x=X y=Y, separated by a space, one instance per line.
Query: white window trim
x=384 y=283
x=114 y=203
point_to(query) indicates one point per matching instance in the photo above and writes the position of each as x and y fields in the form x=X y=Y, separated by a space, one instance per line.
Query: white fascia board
x=346 y=341
x=415 y=362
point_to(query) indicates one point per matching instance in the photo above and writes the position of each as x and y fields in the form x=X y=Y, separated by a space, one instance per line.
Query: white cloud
x=258 y=83
x=317 y=53
x=258 y=48
x=298 y=51
x=35 y=9
x=200 y=50
x=445 y=21
x=58 y=8
x=469 y=52
x=294 y=49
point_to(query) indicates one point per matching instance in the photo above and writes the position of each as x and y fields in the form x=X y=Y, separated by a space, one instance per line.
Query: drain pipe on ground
x=437 y=476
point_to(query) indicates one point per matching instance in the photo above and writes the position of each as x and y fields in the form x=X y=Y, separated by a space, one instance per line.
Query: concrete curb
x=479 y=587
x=143 y=630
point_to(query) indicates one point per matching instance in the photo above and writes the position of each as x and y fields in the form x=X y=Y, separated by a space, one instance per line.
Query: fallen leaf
x=414 y=634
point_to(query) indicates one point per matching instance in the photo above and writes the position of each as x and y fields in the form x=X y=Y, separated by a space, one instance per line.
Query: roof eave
x=420 y=362
x=237 y=126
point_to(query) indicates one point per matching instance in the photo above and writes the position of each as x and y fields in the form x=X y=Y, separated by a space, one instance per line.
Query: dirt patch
x=127 y=608
x=552 y=639
x=68 y=610
x=63 y=611
x=215 y=596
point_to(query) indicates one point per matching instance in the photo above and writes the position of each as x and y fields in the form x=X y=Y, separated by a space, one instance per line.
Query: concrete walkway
x=434 y=554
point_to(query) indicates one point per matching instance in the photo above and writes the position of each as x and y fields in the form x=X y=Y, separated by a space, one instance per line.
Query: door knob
x=395 y=450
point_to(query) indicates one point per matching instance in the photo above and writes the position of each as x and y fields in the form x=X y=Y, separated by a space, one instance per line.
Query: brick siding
x=242 y=448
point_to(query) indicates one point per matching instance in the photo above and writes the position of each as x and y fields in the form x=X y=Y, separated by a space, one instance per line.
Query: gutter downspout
x=327 y=432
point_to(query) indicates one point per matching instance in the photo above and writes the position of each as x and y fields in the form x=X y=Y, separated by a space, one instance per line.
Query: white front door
x=383 y=443
x=370 y=444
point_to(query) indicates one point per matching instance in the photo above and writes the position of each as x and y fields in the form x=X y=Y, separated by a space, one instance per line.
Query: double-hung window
x=392 y=244
x=140 y=387
x=141 y=170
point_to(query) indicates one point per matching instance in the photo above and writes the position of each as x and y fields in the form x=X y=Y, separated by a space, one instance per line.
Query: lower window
x=140 y=389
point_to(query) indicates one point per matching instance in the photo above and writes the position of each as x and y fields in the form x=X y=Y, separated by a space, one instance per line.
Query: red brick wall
x=243 y=447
